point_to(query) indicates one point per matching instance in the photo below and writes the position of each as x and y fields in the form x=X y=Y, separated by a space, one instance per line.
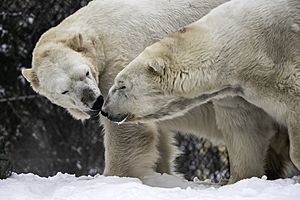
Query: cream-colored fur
x=242 y=48
x=90 y=47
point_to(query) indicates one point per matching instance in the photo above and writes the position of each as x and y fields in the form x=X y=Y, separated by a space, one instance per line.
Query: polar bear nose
x=98 y=103
x=95 y=109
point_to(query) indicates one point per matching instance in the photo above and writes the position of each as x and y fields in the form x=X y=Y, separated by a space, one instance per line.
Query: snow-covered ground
x=69 y=187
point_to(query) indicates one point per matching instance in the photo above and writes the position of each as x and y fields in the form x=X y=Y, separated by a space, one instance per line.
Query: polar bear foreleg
x=294 y=136
x=167 y=151
x=130 y=149
x=247 y=131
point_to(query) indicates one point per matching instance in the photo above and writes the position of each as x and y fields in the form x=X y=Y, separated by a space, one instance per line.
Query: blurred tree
x=42 y=138
x=201 y=159
x=5 y=162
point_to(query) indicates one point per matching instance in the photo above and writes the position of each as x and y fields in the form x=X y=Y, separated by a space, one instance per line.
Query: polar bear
x=74 y=65
x=247 y=49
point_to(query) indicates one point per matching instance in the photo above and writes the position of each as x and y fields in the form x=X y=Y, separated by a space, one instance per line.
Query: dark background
x=39 y=137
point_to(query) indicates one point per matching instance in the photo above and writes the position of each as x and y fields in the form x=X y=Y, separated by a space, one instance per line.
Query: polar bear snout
x=88 y=96
x=93 y=101
x=98 y=103
x=112 y=116
x=114 y=104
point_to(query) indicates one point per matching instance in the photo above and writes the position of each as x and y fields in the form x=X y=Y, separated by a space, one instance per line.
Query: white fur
x=103 y=38
x=242 y=48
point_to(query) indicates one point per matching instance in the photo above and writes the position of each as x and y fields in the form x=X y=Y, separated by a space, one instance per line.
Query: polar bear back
x=136 y=22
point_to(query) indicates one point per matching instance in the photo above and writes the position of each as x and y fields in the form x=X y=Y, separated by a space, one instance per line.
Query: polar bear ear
x=31 y=77
x=156 y=66
x=76 y=42
x=27 y=73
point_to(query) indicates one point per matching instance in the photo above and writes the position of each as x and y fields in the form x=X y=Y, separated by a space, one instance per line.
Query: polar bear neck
x=226 y=48
x=191 y=56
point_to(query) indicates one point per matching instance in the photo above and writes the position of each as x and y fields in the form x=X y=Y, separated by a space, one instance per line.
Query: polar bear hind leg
x=294 y=135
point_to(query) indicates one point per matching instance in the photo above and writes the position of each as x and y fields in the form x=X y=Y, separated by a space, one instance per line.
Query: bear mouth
x=119 y=118
x=124 y=120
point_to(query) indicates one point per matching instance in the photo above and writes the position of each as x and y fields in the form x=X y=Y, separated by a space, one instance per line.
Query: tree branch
x=18 y=98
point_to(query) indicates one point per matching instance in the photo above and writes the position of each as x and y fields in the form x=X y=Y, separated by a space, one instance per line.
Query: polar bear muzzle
x=97 y=105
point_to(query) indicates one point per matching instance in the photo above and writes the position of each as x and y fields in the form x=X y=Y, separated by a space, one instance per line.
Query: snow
x=69 y=187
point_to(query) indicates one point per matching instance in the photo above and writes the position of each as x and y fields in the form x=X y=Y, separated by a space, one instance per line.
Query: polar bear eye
x=88 y=73
x=152 y=71
x=65 y=92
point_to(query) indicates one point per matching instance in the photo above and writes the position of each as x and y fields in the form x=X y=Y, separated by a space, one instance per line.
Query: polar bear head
x=63 y=72
x=160 y=82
